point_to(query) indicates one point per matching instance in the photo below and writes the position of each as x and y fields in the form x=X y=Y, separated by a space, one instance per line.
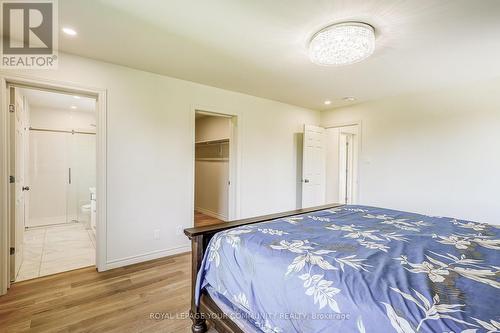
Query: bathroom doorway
x=53 y=158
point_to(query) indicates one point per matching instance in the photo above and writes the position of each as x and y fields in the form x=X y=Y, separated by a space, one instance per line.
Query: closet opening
x=53 y=197
x=214 y=168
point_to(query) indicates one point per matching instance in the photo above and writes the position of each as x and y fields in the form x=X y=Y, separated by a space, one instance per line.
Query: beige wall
x=435 y=153
x=212 y=128
x=150 y=153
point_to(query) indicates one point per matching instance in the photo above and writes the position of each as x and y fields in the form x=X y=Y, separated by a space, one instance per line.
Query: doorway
x=53 y=200
x=214 y=168
x=342 y=152
x=330 y=164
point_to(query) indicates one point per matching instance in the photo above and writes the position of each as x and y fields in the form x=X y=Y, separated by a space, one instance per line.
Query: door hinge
x=12 y=108
x=12 y=251
x=12 y=179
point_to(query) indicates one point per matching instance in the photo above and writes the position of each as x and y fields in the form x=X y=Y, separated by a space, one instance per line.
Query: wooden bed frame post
x=197 y=252
x=200 y=238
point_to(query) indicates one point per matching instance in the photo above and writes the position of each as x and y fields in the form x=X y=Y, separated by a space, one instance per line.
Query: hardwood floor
x=119 y=300
x=201 y=220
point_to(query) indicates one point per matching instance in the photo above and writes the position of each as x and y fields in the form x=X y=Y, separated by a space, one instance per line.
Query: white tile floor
x=55 y=249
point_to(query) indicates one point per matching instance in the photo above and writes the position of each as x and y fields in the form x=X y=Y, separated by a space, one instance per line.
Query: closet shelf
x=212 y=159
x=215 y=141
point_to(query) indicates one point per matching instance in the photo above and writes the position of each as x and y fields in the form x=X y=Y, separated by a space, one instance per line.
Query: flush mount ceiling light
x=327 y=102
x=342 y=44
x=349 y=99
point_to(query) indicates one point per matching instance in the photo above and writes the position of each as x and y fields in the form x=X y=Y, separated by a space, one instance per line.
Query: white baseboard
x=146 y=257
x=211 y=213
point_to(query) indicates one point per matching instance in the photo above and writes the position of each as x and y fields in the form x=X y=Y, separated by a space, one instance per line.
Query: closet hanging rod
x=59 y=131
x=212 y=142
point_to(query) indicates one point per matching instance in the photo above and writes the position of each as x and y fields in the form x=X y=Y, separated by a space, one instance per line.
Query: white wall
x=150 y=152
x=63 y=119
x=435 y=152
x=211 y=188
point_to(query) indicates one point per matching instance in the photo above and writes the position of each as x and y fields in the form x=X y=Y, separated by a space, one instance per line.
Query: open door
x=17 y=188
x=313 y=166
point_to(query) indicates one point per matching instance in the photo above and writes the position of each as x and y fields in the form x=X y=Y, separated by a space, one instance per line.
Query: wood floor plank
x=120 y=300
x=201 y=220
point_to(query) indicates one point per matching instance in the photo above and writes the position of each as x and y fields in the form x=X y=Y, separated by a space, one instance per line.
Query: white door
x=313 y=166
x=17 y=145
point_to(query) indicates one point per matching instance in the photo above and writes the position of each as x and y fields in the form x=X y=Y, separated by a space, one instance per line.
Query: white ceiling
x=58 y=101
x=259 y=46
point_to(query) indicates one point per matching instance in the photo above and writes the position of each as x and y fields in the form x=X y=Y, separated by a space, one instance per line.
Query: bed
x=346 y=268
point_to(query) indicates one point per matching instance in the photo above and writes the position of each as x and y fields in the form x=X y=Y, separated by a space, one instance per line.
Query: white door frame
x=347 y=167
x=356 y=179
x=234 y=158
x=101 y=143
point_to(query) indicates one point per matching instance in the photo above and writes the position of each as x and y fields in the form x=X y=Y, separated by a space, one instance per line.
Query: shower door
x=48 y=177
x=72 y=207
x=82 y=175
x=62 y=168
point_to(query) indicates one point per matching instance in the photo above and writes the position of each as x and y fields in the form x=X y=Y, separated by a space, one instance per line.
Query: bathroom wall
x=63 y=119
x=50 y=157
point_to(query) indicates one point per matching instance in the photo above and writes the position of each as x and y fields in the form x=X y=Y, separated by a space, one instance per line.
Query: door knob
x=26 y=188
x=306 y=180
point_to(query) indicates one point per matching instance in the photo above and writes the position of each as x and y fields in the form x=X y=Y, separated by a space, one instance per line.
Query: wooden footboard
x=200 y=237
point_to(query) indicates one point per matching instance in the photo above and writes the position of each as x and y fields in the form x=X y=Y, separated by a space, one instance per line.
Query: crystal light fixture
x=342 y=44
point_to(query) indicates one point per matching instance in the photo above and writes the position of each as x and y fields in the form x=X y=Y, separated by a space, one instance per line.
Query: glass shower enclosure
x=62 y=168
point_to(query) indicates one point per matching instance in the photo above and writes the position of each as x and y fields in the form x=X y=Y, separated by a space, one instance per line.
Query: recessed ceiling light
x=328 y=102
x=73 y=107
x=69 y=31
x=342 y=44
x=349 y=99
x=76 y=96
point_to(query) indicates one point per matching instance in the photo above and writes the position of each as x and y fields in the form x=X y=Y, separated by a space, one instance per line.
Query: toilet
x=85 y=216
x=89 y=210
x=93 y=208
x=86 y=208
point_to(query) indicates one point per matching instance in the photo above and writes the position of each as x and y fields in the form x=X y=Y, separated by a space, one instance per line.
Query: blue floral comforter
x=357 y=269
